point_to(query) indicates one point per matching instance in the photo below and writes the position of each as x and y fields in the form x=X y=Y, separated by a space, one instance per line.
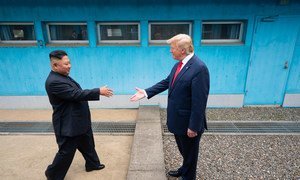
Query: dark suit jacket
x=71 y=114
x=187 y=97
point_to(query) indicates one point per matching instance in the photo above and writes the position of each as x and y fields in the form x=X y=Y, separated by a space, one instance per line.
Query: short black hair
x=59 y=54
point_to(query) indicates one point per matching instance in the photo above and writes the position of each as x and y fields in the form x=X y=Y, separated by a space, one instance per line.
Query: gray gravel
x=249 y=114
x=243 y=156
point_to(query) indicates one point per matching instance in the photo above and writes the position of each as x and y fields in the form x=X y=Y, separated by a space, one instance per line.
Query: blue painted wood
x=197 y=33
x=23 y=70
x=92 y=34
x=39 y=33
x=122 y=68
x=227 y=66
x=293 y=86
x=272 y=49
x=144 y=33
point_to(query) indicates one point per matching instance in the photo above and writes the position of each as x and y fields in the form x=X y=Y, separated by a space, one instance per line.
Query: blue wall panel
x=272 y=48
x=23 y=70
x=227 y=66
x=122 y=68
x=293 y=85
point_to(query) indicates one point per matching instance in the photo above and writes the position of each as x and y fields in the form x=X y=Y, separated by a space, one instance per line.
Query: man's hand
x=191 y=133
x=138 y=95
x=105 y=91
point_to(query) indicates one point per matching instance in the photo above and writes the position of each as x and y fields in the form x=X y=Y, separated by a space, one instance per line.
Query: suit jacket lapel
x=172 y=75
x=181 y=73
x=171 y=78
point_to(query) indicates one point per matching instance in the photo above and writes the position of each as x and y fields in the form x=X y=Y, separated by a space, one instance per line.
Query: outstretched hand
x=105 y=91
x=138 y=95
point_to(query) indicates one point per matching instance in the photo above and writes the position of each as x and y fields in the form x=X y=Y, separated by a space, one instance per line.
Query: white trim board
x=117 y=101
x=291 y=100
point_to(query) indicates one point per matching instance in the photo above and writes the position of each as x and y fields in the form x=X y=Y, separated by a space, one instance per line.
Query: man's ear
x=183 y=51
x=53 y=65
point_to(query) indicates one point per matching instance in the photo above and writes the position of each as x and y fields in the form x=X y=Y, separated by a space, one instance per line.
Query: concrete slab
x=147 y=151
x=27 y=156
x=147 y=158
x=148 y=129
x=143 y=175
x=149 y=114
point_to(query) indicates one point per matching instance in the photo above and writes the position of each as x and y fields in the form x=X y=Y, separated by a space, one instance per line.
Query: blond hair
x=182 y=41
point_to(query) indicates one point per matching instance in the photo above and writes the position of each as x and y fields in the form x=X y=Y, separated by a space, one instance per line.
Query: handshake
x=107 y=92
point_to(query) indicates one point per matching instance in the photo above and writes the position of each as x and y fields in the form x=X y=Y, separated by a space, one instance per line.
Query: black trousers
x=67 y=148
x=189 y=150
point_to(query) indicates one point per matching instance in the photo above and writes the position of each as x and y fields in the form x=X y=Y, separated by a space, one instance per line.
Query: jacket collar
x=181 y=73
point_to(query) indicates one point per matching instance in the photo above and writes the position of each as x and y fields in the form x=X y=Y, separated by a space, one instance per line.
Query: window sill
x=119 y=44
x=18 y=44
x=67 y=44
x=223 y=44
x=159 y=44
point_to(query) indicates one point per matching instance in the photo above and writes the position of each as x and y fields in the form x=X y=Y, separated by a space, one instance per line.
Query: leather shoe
x=47 y=176
x=174 y=173
x=101 y=166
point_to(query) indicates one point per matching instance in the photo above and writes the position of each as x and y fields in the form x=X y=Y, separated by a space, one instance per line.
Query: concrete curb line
x=147 y=156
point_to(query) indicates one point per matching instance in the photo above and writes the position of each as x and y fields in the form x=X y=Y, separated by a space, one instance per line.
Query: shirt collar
x=187 y=58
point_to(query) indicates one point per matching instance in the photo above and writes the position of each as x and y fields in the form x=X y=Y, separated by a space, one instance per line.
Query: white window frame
x=118 y=41
x=65 y=41
x=165 y=23
x=18 y=41
x=225 y=41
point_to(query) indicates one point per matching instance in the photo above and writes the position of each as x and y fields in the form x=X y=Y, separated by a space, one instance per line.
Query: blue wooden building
x=251 y=47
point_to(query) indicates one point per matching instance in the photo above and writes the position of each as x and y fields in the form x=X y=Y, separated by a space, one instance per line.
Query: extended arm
x=152 y=91
x=71 y=93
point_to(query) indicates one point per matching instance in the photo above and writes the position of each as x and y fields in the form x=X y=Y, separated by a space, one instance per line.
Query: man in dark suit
x=71 y=117
x=188 y=85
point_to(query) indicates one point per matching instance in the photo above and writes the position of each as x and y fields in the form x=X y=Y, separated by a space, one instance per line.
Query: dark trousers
x=67 y=148
x=189 y=150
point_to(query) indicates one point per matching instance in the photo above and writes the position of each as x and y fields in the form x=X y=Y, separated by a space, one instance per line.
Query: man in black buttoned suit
x=71 y=117
x=188 y=85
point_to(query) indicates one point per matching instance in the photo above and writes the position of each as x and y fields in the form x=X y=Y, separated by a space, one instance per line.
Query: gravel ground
x=241 y=156
x=250 y=114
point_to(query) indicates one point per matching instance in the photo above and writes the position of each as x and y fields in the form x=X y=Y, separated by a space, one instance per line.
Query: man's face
x=62 y=66
x=177 y=53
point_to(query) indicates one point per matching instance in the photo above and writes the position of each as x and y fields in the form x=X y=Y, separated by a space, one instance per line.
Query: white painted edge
x=117 y=101
x=291 y=100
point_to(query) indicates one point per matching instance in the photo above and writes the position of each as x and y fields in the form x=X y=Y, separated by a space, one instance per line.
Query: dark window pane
x=17 y=32
x=221 y=31
x=166 y=31
x=68 y=32
x=119 y=32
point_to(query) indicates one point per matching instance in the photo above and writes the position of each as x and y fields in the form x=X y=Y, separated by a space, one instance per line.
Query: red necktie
x=177 y=71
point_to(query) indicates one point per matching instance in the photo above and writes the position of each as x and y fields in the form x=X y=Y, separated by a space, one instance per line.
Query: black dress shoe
x=47 y=176
x=174 y=173
x=101 y=166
